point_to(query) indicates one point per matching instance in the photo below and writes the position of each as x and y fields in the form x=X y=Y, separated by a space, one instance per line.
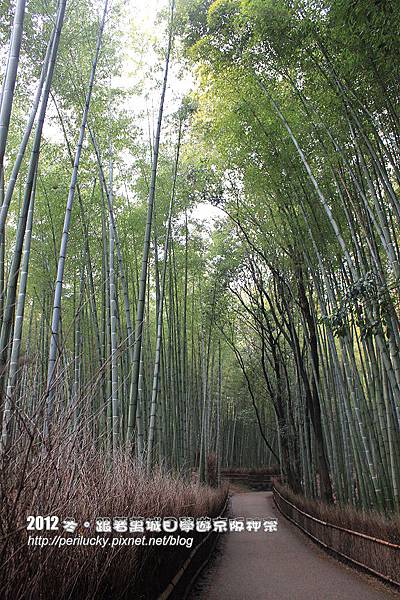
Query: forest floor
x=282 y=565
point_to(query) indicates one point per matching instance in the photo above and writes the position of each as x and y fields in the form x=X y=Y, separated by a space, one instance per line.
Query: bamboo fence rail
x=365 y=551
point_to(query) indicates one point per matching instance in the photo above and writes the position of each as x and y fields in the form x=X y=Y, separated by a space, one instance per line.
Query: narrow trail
x=284 y=565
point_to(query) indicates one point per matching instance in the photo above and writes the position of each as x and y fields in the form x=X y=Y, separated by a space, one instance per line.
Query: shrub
x=81 y=482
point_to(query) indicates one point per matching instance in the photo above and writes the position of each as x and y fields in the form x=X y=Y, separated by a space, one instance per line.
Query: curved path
x=284 y=565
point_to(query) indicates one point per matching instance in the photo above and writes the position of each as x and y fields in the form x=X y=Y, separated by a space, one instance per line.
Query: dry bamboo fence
x=379 y=557
x=190 y=569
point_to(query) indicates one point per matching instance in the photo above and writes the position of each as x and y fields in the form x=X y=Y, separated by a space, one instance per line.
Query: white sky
x=143 y=17
x=138 y=60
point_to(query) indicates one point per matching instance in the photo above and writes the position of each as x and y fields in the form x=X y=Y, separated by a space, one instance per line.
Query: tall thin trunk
x=146 y=247
x=18 y=323
x=16 y=260
x=113 y=327
x=7 y=93
x=157 y=362
x=64 y=240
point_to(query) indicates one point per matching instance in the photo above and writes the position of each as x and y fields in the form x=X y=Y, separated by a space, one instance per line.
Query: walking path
x=284 y=565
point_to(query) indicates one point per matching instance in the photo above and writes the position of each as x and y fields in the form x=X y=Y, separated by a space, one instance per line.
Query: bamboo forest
x=199 y=277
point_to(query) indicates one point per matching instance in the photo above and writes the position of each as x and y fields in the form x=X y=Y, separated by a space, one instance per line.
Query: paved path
x=284 y=565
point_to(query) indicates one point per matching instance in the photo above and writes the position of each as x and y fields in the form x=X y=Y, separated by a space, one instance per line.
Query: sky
x=143 y=17
x=139 y=58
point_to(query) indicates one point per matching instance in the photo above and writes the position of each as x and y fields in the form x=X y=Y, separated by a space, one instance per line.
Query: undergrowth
x=83 y=483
